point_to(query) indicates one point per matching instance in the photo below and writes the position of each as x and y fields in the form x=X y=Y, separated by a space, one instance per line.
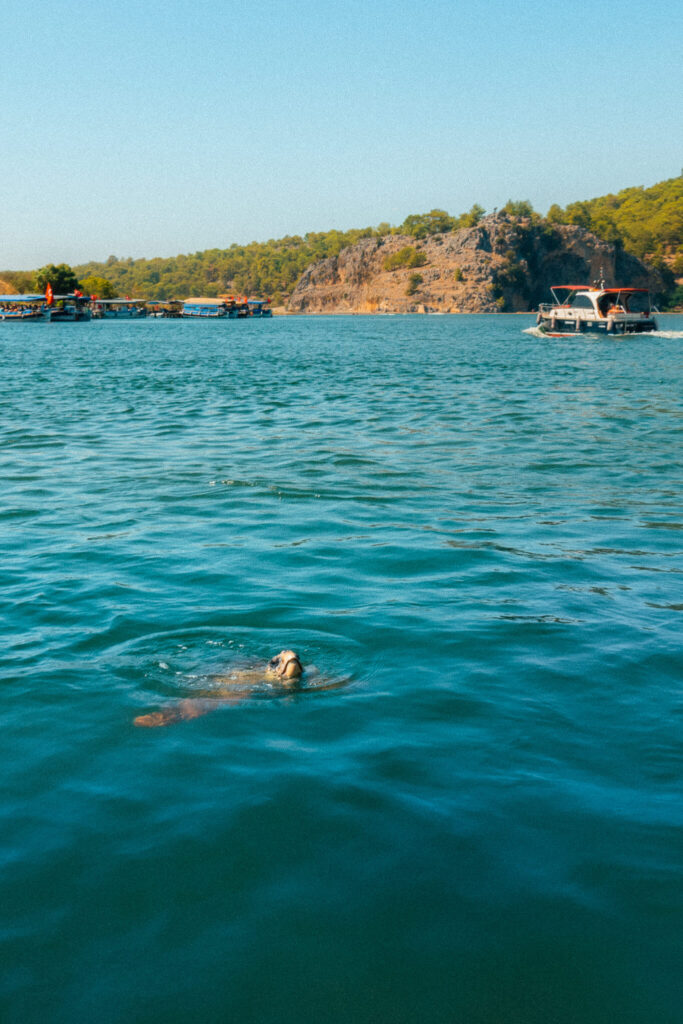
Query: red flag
x=49 y=297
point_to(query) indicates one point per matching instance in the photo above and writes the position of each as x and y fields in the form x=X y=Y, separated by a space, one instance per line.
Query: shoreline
x=279 y=312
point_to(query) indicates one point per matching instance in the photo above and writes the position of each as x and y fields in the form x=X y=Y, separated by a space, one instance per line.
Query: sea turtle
x=282 y=674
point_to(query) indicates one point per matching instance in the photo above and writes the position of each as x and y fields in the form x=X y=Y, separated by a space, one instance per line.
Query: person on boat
x=282 y=674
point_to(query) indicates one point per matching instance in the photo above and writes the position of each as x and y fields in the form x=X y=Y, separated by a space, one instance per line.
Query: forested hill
x=645 y=221
x=267 y=269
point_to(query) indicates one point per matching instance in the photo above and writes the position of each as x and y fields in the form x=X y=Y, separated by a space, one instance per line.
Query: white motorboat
x=579 y=309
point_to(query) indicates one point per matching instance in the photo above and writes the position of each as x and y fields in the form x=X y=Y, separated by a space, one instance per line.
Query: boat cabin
x=625 y=300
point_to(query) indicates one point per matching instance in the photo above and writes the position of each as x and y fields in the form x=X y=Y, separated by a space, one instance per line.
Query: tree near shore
x=60 y=277
x=98 y=286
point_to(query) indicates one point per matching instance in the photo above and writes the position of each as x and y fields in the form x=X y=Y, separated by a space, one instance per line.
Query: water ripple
x=478 y=534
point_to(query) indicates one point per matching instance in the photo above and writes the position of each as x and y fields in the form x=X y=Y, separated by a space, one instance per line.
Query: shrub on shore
x=406 y=257
x=414 y=282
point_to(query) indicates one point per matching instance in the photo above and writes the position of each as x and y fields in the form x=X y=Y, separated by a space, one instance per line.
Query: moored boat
x=118 y=309
x=242 y=307
x=67 y=308
x=16 y=308
x=164 y=308
x=259 y=307
x=579 y=309
x=204 y=308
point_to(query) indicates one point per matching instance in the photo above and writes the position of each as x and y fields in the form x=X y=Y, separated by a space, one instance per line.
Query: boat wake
x=536 y=332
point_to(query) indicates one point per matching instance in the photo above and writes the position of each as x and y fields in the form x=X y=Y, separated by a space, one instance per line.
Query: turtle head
x=286 y=665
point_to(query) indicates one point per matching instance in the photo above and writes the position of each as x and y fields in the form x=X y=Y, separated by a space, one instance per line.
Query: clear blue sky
x=149 y=129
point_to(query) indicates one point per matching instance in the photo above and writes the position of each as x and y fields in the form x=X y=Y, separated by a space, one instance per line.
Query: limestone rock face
x=501 y=264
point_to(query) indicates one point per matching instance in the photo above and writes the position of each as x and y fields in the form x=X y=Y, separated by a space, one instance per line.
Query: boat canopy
x=572 y=287
x=594 y=288
x=562 y=293
x=120 y=302
x=204 y=302
x=624 y=291
x=22 y=298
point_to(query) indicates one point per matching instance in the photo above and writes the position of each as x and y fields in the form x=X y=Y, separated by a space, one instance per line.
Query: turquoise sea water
x=478 y=533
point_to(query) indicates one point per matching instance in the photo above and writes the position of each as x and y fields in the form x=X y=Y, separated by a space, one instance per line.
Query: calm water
x=479 y=533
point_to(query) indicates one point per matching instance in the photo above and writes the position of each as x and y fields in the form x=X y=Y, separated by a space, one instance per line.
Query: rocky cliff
x=501 y=264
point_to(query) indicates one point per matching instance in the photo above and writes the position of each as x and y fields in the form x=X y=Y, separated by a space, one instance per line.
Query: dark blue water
x=477 y=533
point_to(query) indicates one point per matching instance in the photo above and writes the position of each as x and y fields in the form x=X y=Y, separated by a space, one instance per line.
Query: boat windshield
x=582 y=301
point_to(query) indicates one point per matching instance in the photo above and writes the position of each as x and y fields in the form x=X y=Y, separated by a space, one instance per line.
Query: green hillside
x=646 y=221
x=268 y=269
